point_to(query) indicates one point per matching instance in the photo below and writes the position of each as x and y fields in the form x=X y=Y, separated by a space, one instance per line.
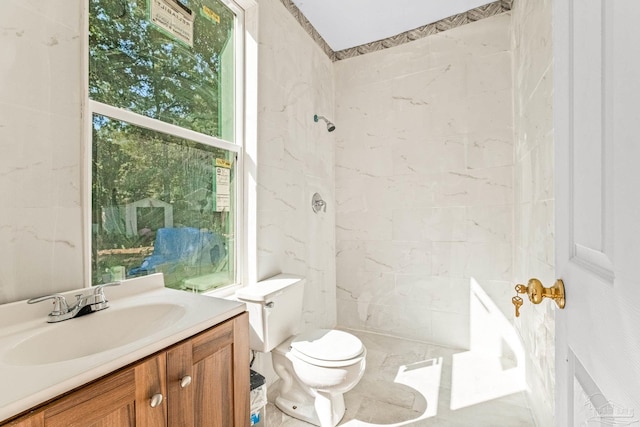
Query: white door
x=597 y=137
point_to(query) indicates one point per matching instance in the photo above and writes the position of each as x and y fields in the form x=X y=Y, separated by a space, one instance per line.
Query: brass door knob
x=537 y=292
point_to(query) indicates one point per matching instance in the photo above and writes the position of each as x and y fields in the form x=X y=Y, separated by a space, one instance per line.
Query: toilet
x=315 y=367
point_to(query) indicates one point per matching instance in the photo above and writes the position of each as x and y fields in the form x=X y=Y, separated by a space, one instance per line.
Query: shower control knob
x=317 y=204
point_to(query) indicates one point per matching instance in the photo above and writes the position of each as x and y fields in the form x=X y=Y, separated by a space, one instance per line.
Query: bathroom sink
x=94 y=333
x=44 y=360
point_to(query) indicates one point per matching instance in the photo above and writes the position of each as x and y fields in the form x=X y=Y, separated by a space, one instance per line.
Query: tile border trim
x=486 y=11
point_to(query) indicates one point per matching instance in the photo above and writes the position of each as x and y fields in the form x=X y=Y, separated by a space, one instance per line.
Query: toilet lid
x=328 y=344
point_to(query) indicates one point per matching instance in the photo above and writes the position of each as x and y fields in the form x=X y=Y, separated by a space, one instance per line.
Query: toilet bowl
x=316 y=367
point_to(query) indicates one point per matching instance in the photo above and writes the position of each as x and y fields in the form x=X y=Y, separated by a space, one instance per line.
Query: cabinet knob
x=156 y=400
x=185 y=381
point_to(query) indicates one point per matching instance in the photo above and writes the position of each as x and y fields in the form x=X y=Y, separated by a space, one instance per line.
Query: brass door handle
x=537 y=292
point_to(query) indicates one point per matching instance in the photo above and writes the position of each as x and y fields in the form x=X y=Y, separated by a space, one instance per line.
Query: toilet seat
x=327 y=348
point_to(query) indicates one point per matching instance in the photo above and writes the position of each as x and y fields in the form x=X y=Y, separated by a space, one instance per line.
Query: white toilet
x=316 y=367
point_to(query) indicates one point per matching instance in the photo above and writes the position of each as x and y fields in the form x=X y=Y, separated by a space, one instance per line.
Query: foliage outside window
x=163 y=197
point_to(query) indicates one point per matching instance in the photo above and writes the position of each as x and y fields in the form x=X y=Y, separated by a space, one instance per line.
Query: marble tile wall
x=534 y=195
x=295 y=160
x=424 y=173
x=41 y=141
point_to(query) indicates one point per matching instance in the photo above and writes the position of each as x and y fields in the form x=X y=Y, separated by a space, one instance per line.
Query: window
x=164 y=140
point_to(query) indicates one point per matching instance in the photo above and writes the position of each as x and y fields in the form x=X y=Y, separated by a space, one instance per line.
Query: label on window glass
x=224 y=163
x=173 y=18
x=210 y=14
x=221 y=185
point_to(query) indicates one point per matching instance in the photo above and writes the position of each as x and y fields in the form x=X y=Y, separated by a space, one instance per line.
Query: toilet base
x=331 y=407
x=304 y=412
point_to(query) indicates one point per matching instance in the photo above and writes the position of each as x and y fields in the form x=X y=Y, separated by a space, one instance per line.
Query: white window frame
x=244 y=145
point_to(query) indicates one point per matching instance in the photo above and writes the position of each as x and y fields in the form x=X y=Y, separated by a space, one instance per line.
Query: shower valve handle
x=317 y=204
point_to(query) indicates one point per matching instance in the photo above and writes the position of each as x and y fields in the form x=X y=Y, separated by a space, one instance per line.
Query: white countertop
x=25 y=386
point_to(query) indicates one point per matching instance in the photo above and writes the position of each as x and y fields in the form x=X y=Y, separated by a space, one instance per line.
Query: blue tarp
x=183 y=245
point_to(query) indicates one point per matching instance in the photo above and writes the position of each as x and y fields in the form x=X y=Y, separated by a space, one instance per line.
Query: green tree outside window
x=162 y=203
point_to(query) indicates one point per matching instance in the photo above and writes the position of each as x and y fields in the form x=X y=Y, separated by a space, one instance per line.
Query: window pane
x=166 y=59
x=161 y=204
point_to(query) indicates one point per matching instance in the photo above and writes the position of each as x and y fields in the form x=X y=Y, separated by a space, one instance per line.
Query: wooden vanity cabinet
x=117 y=400
x=204 y=376
x=204 y=381
x=121 y=399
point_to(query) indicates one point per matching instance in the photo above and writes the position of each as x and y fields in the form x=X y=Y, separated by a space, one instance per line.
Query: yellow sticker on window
x=223 y=163
x=208 y=13
x=222 y=186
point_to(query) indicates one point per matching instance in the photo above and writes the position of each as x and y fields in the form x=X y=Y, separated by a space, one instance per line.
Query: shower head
x=330 y=126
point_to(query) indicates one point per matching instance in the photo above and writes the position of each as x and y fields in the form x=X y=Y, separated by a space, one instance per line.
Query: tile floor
x=408 y=383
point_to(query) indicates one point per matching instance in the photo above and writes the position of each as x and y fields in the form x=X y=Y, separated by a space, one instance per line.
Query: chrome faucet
x=84 y=304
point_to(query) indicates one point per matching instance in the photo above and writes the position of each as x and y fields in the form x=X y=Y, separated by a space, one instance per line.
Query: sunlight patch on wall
x=495 y=365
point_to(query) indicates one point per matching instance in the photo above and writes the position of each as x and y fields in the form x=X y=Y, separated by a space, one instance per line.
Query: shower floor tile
x=409 y=383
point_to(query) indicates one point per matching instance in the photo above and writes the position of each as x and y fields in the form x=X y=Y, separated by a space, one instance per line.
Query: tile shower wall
x=534 y=196
x=40 y=142
x=295 y=160
x=424 y=172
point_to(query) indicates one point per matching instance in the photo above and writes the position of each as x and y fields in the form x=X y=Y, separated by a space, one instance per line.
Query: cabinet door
x=216 y=394
x=151 y=380
x=32 y=420
x=107 y=402
x=120 y=400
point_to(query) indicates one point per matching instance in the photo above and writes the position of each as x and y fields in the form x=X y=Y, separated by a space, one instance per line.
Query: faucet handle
x=99 y=299
x=99 y=289
x=59 y=303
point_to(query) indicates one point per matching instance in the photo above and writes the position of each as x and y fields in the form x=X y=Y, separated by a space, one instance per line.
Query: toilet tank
x=275 y=310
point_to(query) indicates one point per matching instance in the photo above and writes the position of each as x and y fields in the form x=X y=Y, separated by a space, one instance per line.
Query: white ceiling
x=348 y=23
